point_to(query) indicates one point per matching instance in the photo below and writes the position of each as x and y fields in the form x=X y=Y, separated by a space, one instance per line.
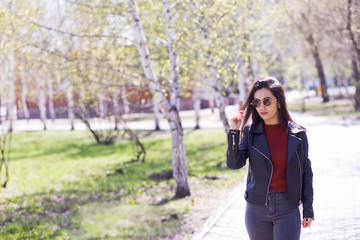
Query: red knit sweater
x=277 y=140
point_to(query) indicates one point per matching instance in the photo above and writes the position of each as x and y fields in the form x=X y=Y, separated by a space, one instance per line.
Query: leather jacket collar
x=260 y=141
x=292 y=127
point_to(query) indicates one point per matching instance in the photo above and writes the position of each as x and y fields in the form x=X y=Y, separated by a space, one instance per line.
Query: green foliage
x=90 y=44
x=65 y=186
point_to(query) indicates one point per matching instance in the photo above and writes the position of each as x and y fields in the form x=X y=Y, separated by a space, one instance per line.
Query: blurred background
x=122 y=69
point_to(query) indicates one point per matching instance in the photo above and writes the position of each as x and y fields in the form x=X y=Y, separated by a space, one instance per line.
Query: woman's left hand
x=306 y=222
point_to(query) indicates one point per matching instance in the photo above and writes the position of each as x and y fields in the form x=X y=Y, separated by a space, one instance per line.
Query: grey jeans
x=276 y=221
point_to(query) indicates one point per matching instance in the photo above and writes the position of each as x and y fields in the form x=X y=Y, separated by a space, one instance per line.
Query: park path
x=335 y=154
x=209 y=120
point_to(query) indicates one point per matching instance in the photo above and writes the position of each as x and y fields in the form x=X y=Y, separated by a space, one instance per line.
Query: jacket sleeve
x=237 y=153
x=307 y=182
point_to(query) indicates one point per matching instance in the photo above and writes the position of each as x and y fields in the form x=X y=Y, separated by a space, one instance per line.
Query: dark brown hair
x=277 y=90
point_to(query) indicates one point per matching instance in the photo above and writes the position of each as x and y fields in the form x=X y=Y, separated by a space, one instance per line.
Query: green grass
x=60 y=189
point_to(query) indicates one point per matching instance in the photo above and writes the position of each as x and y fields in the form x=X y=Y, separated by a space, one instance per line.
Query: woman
x=279 y=175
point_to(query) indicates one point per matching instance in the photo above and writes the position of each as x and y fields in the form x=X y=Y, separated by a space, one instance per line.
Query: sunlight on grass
x=65 y=186
x=121 y=221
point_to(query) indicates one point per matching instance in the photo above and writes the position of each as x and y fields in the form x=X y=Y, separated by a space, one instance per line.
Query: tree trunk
x=178 y=148
x=170 y=33
x=216 y=86
x=125 y=100
x=241 y=78
x=356 y=75
x=41 y=100
x=196 y=105
x=156 y=112
x=11 y=108
x=219 y=99
x=211 y=101
x=248 y=63
x=319 y=67
x=354 y=64
x=51 y=98
x=24 y=92
x=320 y=70
x=70 y=103
x=316 y=55
x=178 y=155
x=102 y=108
x=115 y=99
x=351 y=34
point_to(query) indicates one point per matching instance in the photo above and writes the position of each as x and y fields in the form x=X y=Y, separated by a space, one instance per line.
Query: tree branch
x=79 y=35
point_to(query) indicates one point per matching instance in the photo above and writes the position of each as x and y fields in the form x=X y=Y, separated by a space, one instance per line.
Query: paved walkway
x=335 y=155
x=208 y=120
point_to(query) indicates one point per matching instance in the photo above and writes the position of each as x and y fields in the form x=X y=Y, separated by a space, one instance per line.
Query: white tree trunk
x=115 y=99
x=102 y=108
x=178 y=155
x=241 y=77
x=24 y=91
x=41 y=100
x=218 y=94
x=125 y=100
x=70 y=103
x=156 y=112
x=23 y=99
x=51 y=98
x=196 y=104
x=11 y=108
x=211 y=100
x=178 y=148
x=241 y=88
x=171 y=39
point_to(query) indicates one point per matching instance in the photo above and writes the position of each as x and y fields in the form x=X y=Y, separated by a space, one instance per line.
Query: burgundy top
x=276 y=137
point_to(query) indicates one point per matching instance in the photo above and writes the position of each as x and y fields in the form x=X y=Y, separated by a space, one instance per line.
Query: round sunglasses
x=266 y=101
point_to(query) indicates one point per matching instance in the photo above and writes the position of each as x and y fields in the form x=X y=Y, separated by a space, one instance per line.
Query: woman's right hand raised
x=235 y=121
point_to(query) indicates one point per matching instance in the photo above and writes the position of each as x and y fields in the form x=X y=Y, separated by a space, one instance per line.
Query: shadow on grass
x=45 y=215
x=74 y=150
x=38 y=215
x=50 y=214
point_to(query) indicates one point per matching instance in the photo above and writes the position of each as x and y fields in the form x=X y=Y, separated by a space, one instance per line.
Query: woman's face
x=268 y=113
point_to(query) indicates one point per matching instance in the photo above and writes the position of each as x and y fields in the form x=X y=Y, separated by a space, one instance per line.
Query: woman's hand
x=235 y=121
x=306 y=222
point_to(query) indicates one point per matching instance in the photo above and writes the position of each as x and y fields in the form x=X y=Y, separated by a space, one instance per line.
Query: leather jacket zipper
x=300 y=188
x=233 y=142
x=267 y=191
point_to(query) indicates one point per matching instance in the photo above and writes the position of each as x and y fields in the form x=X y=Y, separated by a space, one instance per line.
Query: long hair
x=277 y=90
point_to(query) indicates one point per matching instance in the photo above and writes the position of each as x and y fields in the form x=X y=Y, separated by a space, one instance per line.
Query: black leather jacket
x=253 y=145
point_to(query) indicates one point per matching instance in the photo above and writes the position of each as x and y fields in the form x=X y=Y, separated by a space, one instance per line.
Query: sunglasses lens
x=267 y=101
x=256 y=102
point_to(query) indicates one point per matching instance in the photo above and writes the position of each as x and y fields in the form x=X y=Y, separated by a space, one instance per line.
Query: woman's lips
x=263 y=113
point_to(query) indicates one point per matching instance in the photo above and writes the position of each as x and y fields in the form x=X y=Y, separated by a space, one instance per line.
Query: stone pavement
x=335 y=154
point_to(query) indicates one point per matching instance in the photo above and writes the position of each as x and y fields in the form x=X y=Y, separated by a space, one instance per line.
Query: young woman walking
x=279 y=174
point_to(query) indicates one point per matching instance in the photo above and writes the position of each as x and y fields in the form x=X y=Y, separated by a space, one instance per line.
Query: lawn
x=65 y=186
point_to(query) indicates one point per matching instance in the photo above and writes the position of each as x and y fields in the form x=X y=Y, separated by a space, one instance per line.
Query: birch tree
x=50 y=95
x=41 y=98
x=68 y=87
x=10 y=106
x=127 y=108
x=169 y=110
x=171 y=39
x=24 y=91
